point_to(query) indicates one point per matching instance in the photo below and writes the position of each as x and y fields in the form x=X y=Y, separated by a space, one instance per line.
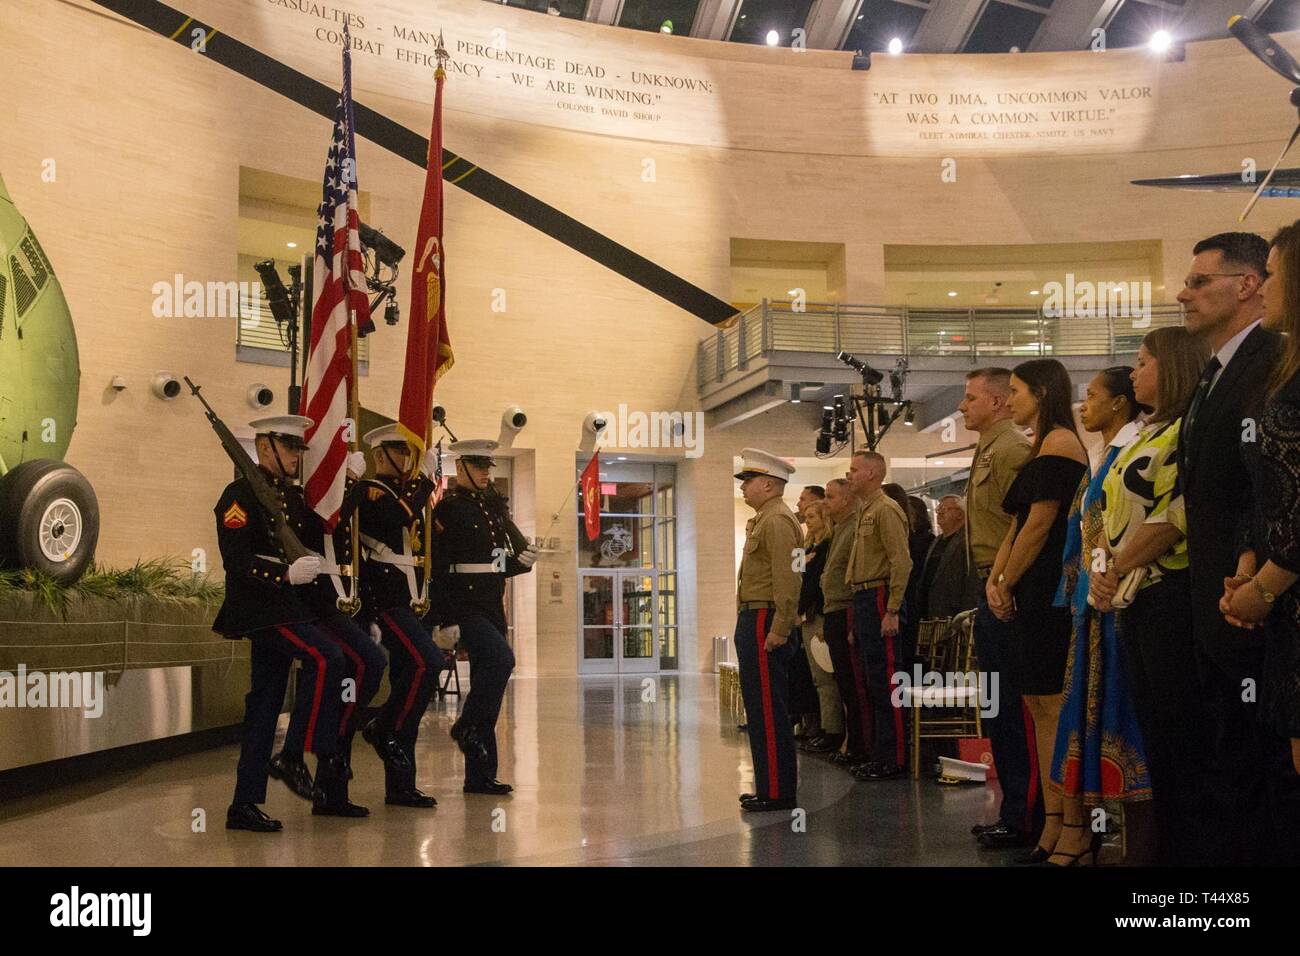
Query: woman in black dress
x=1265 y=591
x=1025 y=576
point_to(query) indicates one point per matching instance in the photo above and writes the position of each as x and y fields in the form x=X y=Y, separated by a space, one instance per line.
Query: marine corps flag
x=428 y=350
x=591 y=497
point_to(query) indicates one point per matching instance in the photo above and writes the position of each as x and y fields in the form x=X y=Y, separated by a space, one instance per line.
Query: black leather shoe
x=249 y=816
x=495 y=787
x=1003 y=837
x=825 y=744
x=293 y=771
x=389 y=750
x=748 y=796
x=469 y=740
x=877 y=771
x=320 y=808
x=979 y=828
x=410 y=798
x=765 y=805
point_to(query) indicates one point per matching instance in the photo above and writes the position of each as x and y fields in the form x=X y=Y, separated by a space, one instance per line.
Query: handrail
x=917 y=332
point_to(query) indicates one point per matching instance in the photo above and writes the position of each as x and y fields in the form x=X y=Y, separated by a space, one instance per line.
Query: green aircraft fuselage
x=39 y=368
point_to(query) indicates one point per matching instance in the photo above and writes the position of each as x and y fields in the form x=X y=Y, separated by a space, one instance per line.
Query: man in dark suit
x=1222 y=302
x=947 y=585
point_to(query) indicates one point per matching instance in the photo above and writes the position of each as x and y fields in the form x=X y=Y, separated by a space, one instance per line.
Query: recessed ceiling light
x=622 y=458
x=952 y=295
x=1033 y=292
x=895 y=46
x=1161 y=41
x=292 y=245
x=773 y=38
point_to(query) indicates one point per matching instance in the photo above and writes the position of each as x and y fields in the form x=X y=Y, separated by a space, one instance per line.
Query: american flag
x=338 y=284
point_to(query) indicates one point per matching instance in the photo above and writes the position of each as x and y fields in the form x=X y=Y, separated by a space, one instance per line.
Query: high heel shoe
x=1074 y=858
x=1037 y=855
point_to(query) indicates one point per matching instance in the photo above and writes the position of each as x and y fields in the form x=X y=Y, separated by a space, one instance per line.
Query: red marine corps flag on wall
x=338 y=284
x=428 y=349
x=591 y=497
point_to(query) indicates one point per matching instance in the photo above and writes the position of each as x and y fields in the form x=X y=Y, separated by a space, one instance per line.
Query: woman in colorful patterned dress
x=1146 y=534
x=1099 y=755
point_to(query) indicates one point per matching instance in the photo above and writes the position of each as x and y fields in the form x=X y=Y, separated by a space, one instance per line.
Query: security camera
x=513 y=418
x=118 y=384
x=259 y=395
x=165 y=386
x=595 y=423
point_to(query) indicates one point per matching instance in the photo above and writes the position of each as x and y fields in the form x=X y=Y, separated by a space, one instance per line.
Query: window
x=1133 y=24
x=879 y=21
x=758 y=17
x=1281 y=16
x=651 y=14
x=1001 y=27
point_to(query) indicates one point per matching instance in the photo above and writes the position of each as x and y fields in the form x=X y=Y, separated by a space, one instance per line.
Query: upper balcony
x=776 y=352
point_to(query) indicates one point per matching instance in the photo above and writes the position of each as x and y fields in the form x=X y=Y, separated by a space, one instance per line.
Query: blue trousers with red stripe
x=363 y=664
x=881 y=658
x=491 y=662
x=764 y=687
x=414 y=663
x=315 y=717
x=850 y=681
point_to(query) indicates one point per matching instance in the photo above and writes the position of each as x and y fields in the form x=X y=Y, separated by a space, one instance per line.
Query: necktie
x=1198 y=399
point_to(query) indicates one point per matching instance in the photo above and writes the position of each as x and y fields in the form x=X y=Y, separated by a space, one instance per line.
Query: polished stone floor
x=602 y=774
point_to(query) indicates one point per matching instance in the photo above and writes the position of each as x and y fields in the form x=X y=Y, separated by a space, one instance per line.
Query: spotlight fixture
x=666 y=27
x=773 y=38
x=895 y=46
x=870 y=376
x=1161 y=41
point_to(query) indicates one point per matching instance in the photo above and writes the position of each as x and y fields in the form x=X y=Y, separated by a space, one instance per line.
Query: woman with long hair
x=817 y=538
x=1264 y=591
x=1099 y=756
x=1023 y=582
x=1146 y=552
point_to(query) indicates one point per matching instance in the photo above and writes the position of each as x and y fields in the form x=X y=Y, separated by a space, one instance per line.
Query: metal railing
x=776 y=326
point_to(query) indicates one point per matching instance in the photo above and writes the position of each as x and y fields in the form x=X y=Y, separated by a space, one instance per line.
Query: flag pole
x=354 y=402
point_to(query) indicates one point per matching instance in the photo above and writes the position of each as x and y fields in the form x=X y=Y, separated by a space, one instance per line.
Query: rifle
x=262 y=490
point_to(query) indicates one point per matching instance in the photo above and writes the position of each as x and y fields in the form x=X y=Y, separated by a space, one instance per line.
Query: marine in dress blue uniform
x=476 y=548
x=391 y=508
x=266 y=602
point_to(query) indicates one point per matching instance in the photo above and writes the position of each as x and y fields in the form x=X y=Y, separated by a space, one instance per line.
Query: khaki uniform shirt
x=836 y=592
x=767 y=567
x=880 y=549
x=1001 y=452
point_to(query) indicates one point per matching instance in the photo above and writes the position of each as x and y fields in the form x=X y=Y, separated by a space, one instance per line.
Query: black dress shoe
x=410 y=798
x=469 y=740
x=979 y=828
x=495 y=787
x=386 y=745
x=293 y=771
x=249 y=816
x=1003 y=837
x=321 y=808
x=748 y=796
x=825 y=744
x=873 y=770
x=764 y=804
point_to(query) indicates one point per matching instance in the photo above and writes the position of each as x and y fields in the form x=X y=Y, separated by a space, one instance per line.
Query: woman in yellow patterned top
x=1145 y=527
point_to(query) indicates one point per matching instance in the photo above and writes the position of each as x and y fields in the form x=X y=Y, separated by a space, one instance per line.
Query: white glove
x=356 y=464
x=376 y=634
x=527 y=557
x=430 y=466
x=305 y=569
x=448 y=633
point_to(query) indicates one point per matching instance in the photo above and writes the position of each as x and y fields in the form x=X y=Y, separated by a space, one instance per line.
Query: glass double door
x=619 y=632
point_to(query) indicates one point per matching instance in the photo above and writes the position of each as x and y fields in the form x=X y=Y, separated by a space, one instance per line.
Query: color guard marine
x=268 y=600
x=391 y=507
x=476 y=548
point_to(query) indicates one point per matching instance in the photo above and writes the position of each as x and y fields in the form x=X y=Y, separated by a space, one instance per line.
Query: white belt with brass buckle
x=474 y=569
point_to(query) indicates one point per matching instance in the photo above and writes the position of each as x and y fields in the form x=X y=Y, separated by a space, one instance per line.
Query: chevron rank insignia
x=235 y=517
